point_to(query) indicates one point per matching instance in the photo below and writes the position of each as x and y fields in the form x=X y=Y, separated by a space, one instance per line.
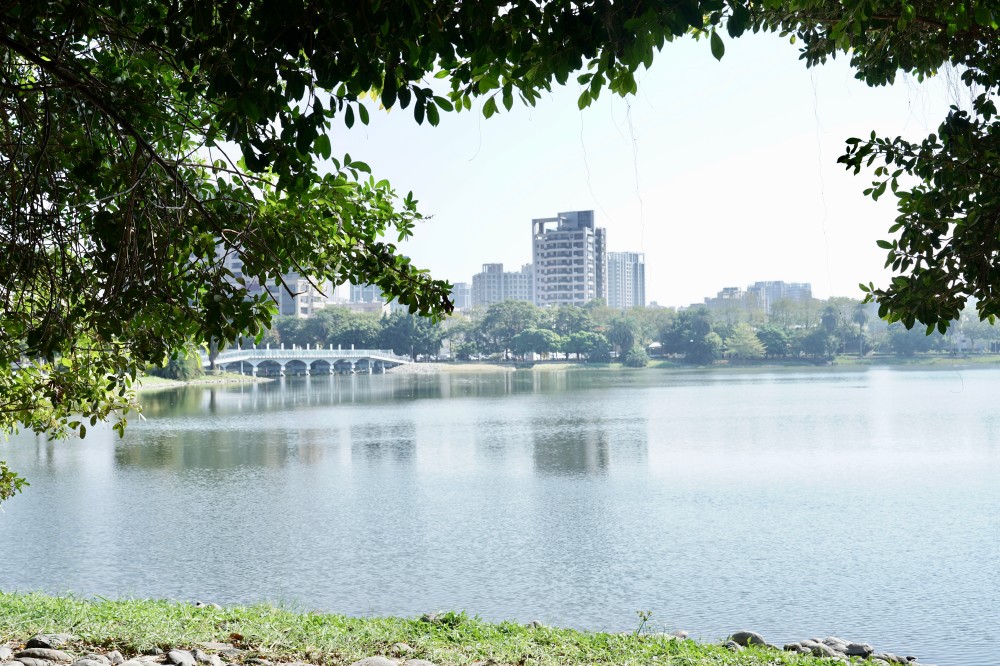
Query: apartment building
x=626 y=280
x=493 y=285
x=570 y=257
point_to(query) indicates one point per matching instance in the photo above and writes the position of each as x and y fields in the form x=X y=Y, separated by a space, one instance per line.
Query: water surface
x=796 y=503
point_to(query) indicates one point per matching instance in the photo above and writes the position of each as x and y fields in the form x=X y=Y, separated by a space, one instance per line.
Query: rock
x=96 y=657
x=203 y=657
x=116 y=658
x=31 y=661
x=400 y=649
x=823 y=650
x=90 y=662
x=44 y=653
x=5 y=653
x=214 y=645
x=418 y=662
x=890 y=658
x=680 y=633
x=231 y=652
x=374 y=661
x=838 y=644
x=744 y=638
x=135 y=662
x=49 y=640
x=181 y=658
x=535 y=624
x=858 y=650
x=792 y=647
x=427 y=617
x=771 y=646
x=808 y=642
x=154 y=651
x=732 y=645
x=262 y=662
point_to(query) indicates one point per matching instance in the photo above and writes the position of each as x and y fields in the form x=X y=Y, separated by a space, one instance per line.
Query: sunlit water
x=795 y=503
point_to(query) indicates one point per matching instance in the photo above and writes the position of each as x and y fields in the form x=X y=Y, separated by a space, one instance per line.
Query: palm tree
x=860 y=317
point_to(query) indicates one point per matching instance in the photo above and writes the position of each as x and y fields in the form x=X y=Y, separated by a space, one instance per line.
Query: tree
x=622 y=334
x=410 y=335
x=142 y=144
x=690 y=333
x=907 y=342
x=535 y=340
x=744 y=344
x=860 y=317
x=776 y=340
x=504 y=320
x=586 y=343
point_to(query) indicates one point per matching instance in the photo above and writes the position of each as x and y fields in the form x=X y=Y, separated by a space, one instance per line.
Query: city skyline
x=720 y=173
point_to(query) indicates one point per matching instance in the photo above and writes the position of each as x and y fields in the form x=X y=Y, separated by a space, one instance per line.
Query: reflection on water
x=862 y=503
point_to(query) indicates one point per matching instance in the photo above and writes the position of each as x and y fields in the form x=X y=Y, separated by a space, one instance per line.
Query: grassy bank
x=151 y=383
x=136 y=626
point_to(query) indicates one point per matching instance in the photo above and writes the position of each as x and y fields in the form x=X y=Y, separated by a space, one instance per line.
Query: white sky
x=731 y=177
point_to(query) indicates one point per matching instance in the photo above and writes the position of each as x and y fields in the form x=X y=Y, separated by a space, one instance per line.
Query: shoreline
x=41 y=630
x=160 y=383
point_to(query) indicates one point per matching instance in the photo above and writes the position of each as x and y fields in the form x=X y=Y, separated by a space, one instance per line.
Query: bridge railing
x=294 y=353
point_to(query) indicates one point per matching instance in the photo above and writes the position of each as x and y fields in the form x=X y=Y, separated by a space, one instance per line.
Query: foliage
x=691 y=334
x=505 y=320
x=907 y=342
x=743 y=343
x=183 y=366
x=945 y=237
x=587 y=343
x=535 y=340
x=636 y=358
x=777 y=342
x=622 y=333
x=143 y=144
x=405 y=333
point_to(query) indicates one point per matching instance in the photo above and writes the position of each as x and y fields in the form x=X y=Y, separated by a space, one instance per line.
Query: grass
x=136 y=626
x=151 y=383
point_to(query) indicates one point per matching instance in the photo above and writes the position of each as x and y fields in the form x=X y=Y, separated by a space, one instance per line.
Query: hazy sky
x=721 y=173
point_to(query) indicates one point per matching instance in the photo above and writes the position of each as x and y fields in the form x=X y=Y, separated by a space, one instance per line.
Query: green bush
x=182 y=367
x=636 y=358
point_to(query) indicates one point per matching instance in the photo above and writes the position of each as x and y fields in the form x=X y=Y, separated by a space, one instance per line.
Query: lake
x=797 y=503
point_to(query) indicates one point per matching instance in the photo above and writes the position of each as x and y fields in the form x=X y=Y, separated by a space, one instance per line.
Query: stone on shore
x=859 y=650
x=181 y=658
x=5 y=653
x=823 y=650
x=374 y=661
x=745 y=638
x=116 y=658
x=733 y=646
x=401 y=649
x=45 y=653
x=90 y=662
x=32 y=661
x=203 y=657
x=49 y=640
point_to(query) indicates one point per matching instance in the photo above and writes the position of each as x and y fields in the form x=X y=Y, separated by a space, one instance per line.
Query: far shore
x=148 y=383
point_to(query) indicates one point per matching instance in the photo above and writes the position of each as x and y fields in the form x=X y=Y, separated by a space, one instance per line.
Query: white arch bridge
x=299 y=361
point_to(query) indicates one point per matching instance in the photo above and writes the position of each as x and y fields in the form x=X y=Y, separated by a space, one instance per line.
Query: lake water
x=861 y=503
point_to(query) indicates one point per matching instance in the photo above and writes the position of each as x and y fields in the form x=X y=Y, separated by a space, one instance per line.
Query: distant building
x=626 y=280
x=769 y=293
x=493 y=285
x=365 y=293
x=461 y=296
x=294 y=295
x=570 y=259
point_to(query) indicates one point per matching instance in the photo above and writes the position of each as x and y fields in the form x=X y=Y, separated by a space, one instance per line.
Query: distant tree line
x=516 y=330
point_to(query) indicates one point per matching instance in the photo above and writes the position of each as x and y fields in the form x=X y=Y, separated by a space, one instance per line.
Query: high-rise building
x=626 y=280
x=570 y=259
x=494 y=285
x=461 y=295
x=365 y=293
x=769 y=293
x=294 y=295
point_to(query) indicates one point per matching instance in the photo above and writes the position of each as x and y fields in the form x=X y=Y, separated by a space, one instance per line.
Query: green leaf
x=489 y=108
x=363 y=113
x=884 y=244
x=718 y=48
x=322 y=147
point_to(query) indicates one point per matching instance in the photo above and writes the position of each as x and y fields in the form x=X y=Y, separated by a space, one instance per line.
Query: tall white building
x=626 y=280
x=769 y=293
x=461 y=296
x=570 y=259
x=294 y=295
x=494 y=285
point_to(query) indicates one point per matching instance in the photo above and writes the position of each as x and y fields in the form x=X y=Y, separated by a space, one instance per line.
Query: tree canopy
x=143 y=143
